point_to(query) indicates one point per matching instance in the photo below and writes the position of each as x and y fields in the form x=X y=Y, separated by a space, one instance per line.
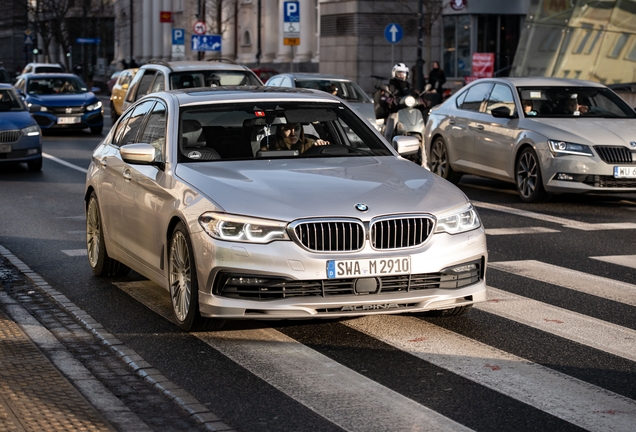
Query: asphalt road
x=553 y=349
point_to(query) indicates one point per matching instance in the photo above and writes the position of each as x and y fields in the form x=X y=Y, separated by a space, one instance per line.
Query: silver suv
x=159 y=75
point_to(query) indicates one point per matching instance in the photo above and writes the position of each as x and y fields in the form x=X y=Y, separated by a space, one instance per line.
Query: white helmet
x=400 y=67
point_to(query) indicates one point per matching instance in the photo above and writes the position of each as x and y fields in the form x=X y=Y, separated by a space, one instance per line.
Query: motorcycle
x=404 y=116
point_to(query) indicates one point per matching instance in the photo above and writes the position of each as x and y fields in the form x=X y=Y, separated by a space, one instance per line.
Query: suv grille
x=400 y=232
x=10 y=136
x=331 y=236
x=610 y=154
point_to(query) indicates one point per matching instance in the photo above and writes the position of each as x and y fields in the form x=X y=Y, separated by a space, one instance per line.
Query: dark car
x=20 y=136
x=61 y=101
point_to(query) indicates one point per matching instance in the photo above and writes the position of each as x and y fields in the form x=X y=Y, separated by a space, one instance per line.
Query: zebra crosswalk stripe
x=570 y=399
x=583 y=282
x=561 y=322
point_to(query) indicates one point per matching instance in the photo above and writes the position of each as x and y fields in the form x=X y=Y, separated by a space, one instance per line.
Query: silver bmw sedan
x=546 y=135
x=262 y=203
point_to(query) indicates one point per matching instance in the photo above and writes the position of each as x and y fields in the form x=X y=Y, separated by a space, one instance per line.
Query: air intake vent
x=611 y=154
x=330 y=236
x=400 y=232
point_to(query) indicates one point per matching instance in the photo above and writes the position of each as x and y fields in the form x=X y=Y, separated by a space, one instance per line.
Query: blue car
x=20 y=135
x=61 y=101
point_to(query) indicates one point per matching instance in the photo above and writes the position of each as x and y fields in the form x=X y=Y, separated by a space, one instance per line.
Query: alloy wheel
x=527 y=174
x=93 y=233
x=180 y=276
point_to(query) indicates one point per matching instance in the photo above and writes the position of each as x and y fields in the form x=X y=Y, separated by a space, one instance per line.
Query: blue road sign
x=178 y=36
x=88 y=40
x=291 y=11
x=393 y=33
x=206 y=42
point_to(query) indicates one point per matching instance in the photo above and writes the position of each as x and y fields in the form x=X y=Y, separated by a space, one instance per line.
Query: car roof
x=5 y=86
x=45 y=64
x=235 y=94
x=183 y=66
x=49 y=75
x=317 y=76
x=545 y=82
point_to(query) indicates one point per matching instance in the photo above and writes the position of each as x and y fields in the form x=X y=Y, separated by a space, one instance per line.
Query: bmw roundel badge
x=362 y=207
x=633 y=143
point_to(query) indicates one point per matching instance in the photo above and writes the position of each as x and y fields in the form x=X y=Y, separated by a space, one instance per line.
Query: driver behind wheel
x=291 y=136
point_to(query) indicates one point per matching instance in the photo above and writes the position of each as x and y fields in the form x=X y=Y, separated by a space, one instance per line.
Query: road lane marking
x=75 y=252
x=514 y=231
x=567 y=223
x=623 y=260
x=583 y=282
x=580 y=328
x=335 y=392
x=63 y=162
x=583 y=404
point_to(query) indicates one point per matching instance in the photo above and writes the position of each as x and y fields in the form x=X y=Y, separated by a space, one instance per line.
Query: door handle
x=103 y=162
x=127 y=175
x=478 y=127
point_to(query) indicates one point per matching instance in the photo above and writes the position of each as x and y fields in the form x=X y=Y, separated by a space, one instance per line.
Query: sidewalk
x=34 y=395
x=60 y=370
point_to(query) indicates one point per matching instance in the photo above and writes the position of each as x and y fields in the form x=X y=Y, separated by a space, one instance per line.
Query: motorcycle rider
x=399 y=86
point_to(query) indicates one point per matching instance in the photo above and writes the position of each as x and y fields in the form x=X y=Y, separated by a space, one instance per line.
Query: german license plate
x=368 y=267
x=625 y=172
x=68 y=120
x=5 y=148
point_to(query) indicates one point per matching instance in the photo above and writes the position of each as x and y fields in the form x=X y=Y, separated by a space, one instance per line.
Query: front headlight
x=462 y=221
x=31 y=130
x=409 y=101
x=242 y=228
x=94 y=106
x=560 y=148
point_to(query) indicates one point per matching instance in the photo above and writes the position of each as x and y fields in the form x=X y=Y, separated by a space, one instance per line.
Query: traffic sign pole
x=291 y=27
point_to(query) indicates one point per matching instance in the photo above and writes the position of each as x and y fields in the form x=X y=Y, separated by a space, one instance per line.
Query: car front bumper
x=287 y=261
x=87 y=120
x=24 y=150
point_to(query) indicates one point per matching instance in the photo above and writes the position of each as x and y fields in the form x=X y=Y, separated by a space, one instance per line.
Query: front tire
x=184 y=286
x=35 y=165
x=440 y=163
x=101 y=263
x=528 y=177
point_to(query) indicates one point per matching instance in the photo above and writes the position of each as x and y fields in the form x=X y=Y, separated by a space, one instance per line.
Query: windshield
x=55 y=85
x=346 y=90
x=10 y=101
x=211 y=78
x=573 y=102
x=275 y=129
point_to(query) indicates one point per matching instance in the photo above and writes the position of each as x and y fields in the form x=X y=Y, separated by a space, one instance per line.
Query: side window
x=145 y=84
x=286 y=82
x=20 y=84
x=275 y=82
x=134 y=86
x=500 y=96
x=158 y=84
x=127 y=129
x=460 y=99
x=475 y=96
x=155 y=131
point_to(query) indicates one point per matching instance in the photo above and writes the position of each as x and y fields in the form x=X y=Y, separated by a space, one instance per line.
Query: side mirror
x=139 y=153
x=502 y=112
x=95 y=89
x=406 y=145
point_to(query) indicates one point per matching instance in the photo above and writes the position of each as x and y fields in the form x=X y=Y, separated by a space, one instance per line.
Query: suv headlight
x=464 y=220
x=560 y=148
x=242 y=229
x=94 y=106
x=31 y=130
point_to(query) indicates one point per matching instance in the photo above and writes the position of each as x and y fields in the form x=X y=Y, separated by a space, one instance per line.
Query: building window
x=586 y=33
x=619 y=45
x=247 y=39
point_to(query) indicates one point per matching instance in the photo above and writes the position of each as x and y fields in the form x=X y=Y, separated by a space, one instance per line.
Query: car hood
x=12 y=120
x=63 y=100
x=291 y=189
x=585 y=130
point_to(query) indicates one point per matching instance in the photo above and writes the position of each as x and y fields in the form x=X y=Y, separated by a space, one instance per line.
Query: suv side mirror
x=502 y=112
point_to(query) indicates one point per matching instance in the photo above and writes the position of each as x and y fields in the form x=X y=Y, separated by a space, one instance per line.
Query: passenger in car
x=291 y=136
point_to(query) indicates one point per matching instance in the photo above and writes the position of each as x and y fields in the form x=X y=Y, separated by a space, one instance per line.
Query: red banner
x=165 y=17
x=483 y=65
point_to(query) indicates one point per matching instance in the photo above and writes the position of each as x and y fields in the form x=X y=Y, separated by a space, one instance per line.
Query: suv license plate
x=368 y=267
x=625 y=172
